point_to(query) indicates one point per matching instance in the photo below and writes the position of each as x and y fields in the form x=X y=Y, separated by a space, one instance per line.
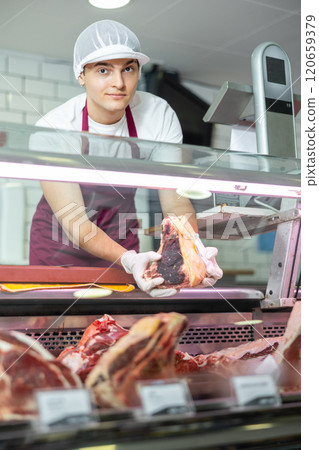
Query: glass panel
x=58 y=148
x=135 y=223
x=237 y=197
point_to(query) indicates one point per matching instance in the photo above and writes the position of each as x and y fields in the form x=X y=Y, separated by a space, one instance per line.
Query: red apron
x=49 y=244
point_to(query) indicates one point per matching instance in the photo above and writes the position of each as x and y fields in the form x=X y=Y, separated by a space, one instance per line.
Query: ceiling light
x=109 y=4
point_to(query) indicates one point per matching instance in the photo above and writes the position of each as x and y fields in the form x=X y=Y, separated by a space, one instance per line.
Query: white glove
x=208 y=254
x=136 y=264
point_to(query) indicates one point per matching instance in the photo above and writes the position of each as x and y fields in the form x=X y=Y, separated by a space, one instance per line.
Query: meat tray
x=216 y=419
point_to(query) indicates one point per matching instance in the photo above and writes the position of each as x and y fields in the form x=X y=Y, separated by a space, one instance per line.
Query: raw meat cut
x=97 y=338
x=289 y=348
x=146 y=352
x=227 y=359
x=288 y=354
x=185 y=363
x=25 y=366
x=241 y=360
x=249 y=350
x=181 y=264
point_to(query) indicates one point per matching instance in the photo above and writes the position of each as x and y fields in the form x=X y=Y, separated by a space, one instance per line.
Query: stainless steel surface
x=221 y=293
x=230 y=106
x=239 y=225
x=285 y=263
x=212 y=293
x=229 y=103
x=275 y=129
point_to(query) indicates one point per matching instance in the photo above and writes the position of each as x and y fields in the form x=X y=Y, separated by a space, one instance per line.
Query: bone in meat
x=25 y=366
x=96 y=339
x=146 y=352
x=181 y=264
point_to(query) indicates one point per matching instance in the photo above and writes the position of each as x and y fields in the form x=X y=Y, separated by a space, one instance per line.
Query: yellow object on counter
x=25 y=287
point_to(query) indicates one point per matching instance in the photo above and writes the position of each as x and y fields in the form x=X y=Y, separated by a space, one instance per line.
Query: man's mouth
x=116 y=95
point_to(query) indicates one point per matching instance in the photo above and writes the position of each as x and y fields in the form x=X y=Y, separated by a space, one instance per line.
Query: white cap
x=106 y=40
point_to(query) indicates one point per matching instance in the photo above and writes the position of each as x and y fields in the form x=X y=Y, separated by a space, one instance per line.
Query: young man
x=107 y=63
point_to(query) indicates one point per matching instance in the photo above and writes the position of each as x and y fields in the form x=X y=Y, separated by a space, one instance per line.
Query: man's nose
x=117 y=79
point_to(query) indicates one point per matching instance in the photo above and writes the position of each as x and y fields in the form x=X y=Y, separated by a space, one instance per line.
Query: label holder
x=255 y=390
x=58 y=408
x=168 y=397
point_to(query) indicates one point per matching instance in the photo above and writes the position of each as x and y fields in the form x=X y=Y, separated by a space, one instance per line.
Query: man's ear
x=81 y=79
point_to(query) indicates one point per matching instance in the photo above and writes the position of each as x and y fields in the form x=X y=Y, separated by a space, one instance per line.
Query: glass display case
x=246 y=205
x=239 y=200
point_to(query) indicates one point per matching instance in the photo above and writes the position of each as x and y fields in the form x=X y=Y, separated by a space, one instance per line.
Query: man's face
x=110 y=85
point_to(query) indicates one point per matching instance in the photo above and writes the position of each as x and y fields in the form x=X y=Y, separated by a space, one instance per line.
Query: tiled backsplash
x=32 y=85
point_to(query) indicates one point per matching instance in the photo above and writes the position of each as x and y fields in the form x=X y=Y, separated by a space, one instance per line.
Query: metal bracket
x=233 y=105
x=285 y=263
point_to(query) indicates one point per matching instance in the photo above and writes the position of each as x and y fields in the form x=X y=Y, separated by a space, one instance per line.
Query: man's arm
x=66 y=202
x=173 y=203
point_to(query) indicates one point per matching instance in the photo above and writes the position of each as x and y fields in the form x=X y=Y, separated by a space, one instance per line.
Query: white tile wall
x=2 y=98
x=57 y=71
x=39 y=87
x=24 y=102
x=65 y=90
x=32 y=118
x=32 y=85
x=13 y=117
x=10 y=83
x=50 y=103
x=23 y=66
x=2 y=63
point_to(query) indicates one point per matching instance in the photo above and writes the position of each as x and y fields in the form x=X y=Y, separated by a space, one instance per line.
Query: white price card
x=165 y=397
x=255 y=390
x=59 y=407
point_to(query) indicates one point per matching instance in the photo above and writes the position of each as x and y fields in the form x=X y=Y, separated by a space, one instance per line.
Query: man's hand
x=213 y=271
x=136 y=264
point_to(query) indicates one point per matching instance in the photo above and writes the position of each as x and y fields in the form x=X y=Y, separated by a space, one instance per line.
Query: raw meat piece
x=146 y=352
x=97 y=338
x=181 y=264
x=288 y=354
x=289 y=347
x=24 y=366
x=249 y=350
x=225 y=362
x=185 y=363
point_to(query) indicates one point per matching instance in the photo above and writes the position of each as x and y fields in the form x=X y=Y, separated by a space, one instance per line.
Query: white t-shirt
x=154 y=120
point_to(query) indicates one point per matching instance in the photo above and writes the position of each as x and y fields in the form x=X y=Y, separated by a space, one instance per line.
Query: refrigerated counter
x=237 y=198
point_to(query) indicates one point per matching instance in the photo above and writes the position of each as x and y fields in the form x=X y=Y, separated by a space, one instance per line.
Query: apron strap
x=85 y=127
x=130 y=122
x=130 y=125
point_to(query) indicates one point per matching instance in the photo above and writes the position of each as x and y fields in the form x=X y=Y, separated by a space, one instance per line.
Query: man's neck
x=103 y=116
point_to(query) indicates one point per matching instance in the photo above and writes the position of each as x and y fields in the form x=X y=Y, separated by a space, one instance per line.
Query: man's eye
x=103 y=70
x=129 y=69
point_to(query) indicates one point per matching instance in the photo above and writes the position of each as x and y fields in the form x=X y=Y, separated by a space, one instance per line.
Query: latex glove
x=136 y=264
x=208 y=254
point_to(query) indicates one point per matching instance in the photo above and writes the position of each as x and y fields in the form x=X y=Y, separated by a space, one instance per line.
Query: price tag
x=58 y=407
x=256 y=390
x=162 y=397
